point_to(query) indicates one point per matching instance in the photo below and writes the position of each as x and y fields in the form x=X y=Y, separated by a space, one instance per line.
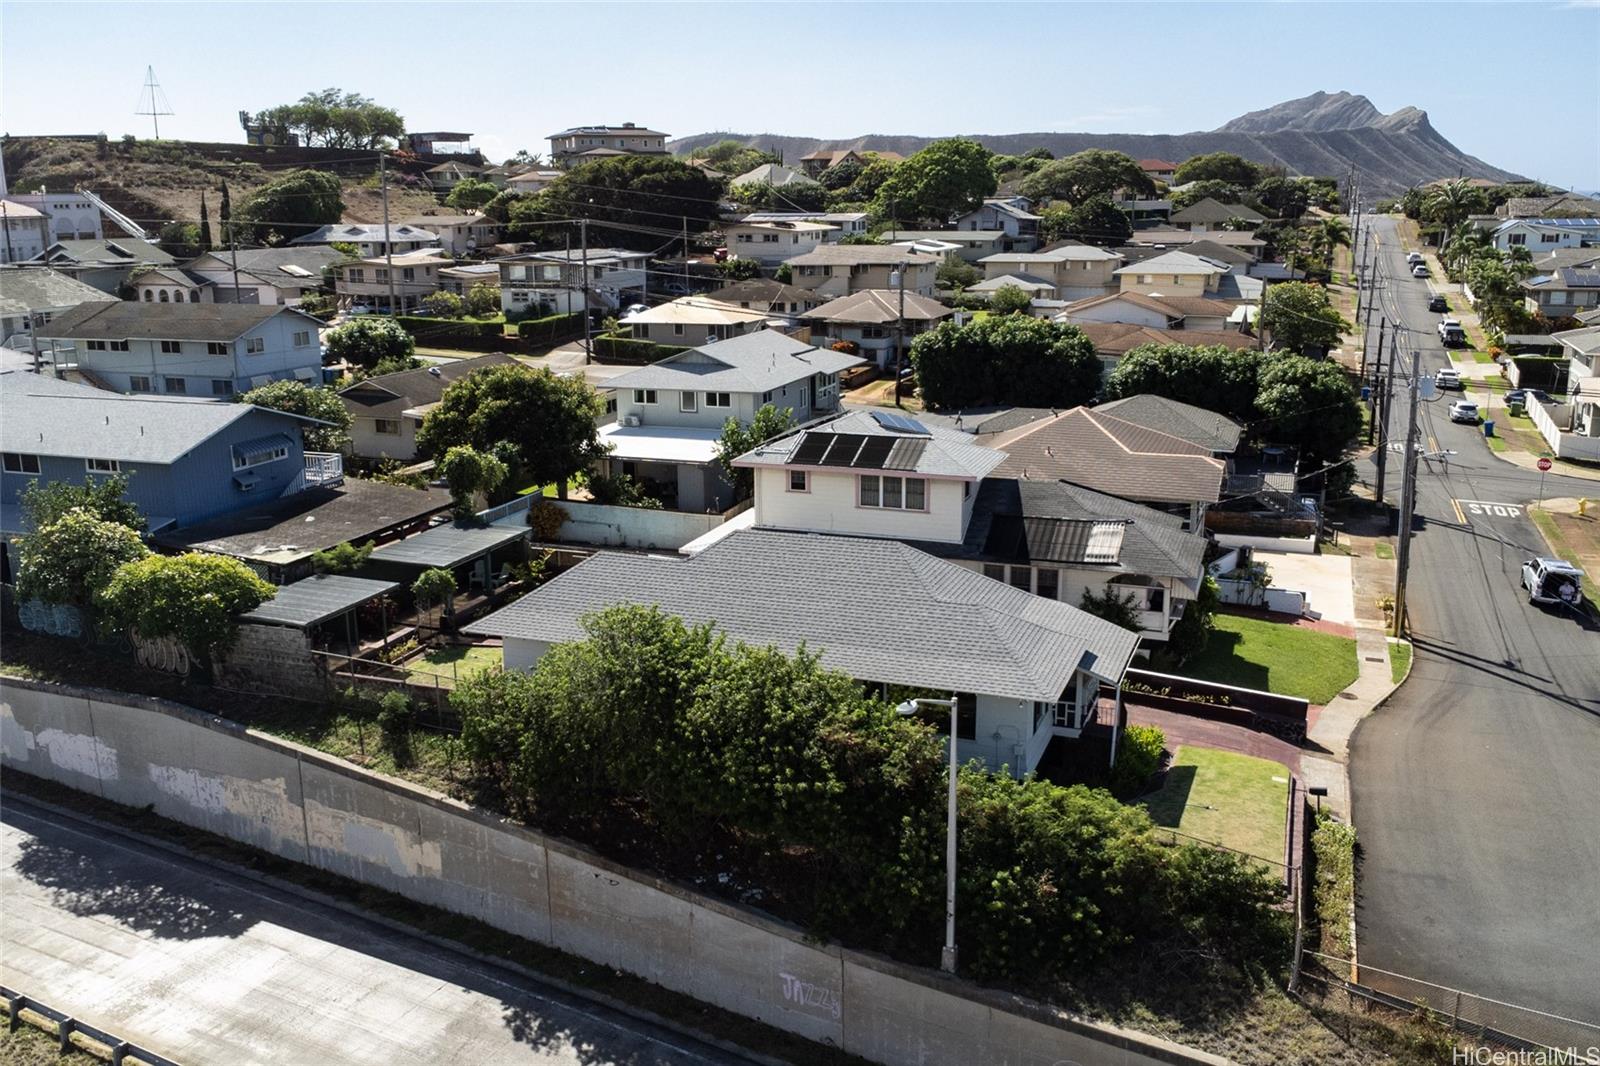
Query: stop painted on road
x=1490 y=509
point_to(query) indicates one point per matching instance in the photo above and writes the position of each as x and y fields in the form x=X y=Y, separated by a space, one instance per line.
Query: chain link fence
x=1488 y=1021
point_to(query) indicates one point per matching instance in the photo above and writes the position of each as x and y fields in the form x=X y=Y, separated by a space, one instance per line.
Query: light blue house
x=206 y=349
x=186 y=460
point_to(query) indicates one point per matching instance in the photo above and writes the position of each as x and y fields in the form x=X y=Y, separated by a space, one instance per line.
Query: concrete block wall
x=272 y=659
x=307 y=806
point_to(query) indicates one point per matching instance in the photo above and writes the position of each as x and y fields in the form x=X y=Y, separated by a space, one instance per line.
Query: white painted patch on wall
x=264 y=803
x=16 y=741
x=78 y=753
x=369 y=840
x=198 y=790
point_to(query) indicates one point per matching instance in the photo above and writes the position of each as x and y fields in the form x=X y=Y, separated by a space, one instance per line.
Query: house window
x=302 y=338
x=994 y=571
x=117 y=346
x=645 y=396
x=766 y=397
x=139 y=383
x=95 y=346
x=677 y=329
x=194 y=296
x=966 y=717
x=165 y=296
x=1048 y=584
x=171 y=347
x=381 y=274
x=892 y=493
x=356 y=274
x=216 y=348
x=1516 y=238
x=102 y=466
x=1144 y=279
x=21 y=464
x=686 y=401
x=388 y=426
x=149 y=296
x=221 y=387
x=258 y=453
x=1022 y=578
x=255 y=345
x=408 y=274
x=1549 y=238
x=799 y=481
x=872 y=332
x=719 y=399
x=611 y=405
x=176 y=386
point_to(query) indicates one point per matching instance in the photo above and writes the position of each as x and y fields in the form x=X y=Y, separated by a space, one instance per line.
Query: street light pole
x=1408 y=498
x=898 y=279
x=947 y=957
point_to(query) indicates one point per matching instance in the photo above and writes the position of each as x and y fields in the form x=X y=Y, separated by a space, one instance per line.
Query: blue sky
x=515 y=72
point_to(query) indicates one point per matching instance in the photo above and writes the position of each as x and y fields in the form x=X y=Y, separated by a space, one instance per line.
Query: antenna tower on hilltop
x=152 y=101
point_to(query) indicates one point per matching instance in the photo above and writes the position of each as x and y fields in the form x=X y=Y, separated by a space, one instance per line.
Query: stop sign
x=1544 y=464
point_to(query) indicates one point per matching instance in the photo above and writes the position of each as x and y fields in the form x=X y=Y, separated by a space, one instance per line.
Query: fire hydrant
x=1583 y=506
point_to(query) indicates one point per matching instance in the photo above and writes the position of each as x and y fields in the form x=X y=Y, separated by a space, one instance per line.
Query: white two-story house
x=770 y=243
x=1075 y=271
x=548 y=283
x=371 y=283
x=670 y=414
x=211 y=350
x=834 y=270
x=1540 y=235
x=372 y=241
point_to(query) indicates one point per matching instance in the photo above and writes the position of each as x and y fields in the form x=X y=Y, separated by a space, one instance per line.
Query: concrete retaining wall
x=610 y=526
x=310 y=807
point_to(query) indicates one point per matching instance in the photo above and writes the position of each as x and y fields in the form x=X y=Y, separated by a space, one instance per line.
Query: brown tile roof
x=1120 y=338
x=879 y=306
x=1111 y=455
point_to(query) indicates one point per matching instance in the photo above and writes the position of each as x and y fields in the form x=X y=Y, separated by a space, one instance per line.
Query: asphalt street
x=1474 y=788
x=206 y=967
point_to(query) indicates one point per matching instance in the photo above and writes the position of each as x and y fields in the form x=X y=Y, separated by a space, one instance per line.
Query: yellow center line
x=1460 y=517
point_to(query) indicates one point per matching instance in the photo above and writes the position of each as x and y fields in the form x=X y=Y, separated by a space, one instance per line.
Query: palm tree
x=1451 y=203
x=1518 y=260
x=1464 y=247
x=1333 y=232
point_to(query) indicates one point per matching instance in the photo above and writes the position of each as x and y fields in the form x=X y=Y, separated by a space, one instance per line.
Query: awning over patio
x=447 y=546
x=662 y=444
x=316 y=599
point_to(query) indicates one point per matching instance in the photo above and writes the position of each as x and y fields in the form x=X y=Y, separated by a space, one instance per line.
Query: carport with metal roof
x=312 y=601
x=457 y=546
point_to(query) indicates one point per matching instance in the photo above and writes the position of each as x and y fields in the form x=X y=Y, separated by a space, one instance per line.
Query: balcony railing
x=324 y=468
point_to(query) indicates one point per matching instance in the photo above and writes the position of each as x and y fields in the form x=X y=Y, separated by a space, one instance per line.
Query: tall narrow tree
x=225 y=216
x=204 y=243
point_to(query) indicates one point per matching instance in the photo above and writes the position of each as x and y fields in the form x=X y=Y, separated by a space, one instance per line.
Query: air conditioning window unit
x=631 y=421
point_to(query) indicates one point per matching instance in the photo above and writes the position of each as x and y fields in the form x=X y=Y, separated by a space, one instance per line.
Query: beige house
x=1208 y=214
x=835 y=270
x=693 y=320
x=1172 y=274
x=1076 y=271
x=463 y=278
x=369 y=282
x=458 y=234
x=872 y=320
x=531 y=181
x=765 y=294
x=386 y=411
x=584 y=144
x=970 y=245
x=770 y=243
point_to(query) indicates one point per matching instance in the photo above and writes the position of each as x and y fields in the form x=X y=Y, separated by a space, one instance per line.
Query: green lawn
x=456 y=661
x=1286 y=659
x=1382 y=550
x=1237 y=801
x=1399 y=660
x=546 y=490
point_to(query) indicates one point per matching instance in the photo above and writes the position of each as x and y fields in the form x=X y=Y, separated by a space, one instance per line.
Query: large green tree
x=732 y=157
x=1281 y=197
x=1299 y=316
x=333 y=118
x=1216 y=378
x=468 y=472
x=72 y=558
x=194 y=598
x=1219 y=166
x=1224 y=192
x=289 y=207
x=1094 y=221
x=541 y=425
x=471 y=194
x=1451 y=202
x=1005 y=359
x=945 y=179
x=1085 y=175
x=740 y=437
x=636 y=201
x=367 y=341
x=45 y=502
x=1308 y=402
x=299 y=399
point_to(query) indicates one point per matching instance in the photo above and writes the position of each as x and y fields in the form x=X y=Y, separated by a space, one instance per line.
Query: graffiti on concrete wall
x=805 y=994
x=160 y=653
x=51 y=619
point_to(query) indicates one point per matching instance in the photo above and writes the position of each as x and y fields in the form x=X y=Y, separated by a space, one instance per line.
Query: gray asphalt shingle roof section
x=315 y=599
x=1113 y=456
x=24 y=289
x=358 y=232
x=862 y=255
x=949 y=453
x=447 y=546
x=1212 y=210
x=879 y=306
x=755 y=362
x=122 y=251
x=390 y=394
x=138 y=320
x=1196 y=425
x=891 y=613
x=44 y=416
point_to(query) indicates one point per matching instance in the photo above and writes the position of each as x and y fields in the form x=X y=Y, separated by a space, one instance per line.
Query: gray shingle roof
x=24 y=289
x=270 y=262
x=1175 y=263
x=357 y=232
x=947 y=452
x=879 y=306
x=387 y=395
x=1114 y=456
x=121 y=251
x=1196 y=425
x=1062 y=253
x=127 y=319
x=44 y=416
x=862 y=255
x=890 y=613
x=755 y=362
x=1213 y=210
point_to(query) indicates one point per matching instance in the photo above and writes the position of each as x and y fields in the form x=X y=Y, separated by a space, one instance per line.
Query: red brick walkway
x=1203 y=732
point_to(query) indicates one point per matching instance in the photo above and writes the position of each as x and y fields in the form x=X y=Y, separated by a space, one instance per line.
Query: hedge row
x=551 y=328
x=432 y=328
x=628 y=350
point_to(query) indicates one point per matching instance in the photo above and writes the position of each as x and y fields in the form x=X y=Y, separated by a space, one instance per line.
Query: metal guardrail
x=1489 y=1021
x=121 y=1050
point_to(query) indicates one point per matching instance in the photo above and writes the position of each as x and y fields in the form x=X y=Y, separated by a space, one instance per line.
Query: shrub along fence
x=616 y=349
x=550 y=330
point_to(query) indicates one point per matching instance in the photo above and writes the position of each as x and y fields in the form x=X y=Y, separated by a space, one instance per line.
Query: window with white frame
x=255 y=345
x=1047 y=583
x=356 y=274
x=644 y=396
x=380 y=274
x=95 y=346
x=677 y=329
x=766 y=397
x=719 y=399
x=1549 y=238
x=171 y=347
x=139 y=383
x=221 y=387
x=799 y=481
x=686 y=401
x=102 y=466
x=389 y=427
x=892 y=493
x=216 y=348
x=175 y=386
x=16 y=463
x=117 y=346
x=258 y=453
x=302 y=338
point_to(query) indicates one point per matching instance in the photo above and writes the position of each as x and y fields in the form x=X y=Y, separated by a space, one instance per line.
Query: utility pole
x=900 y=336
x=1388 y=410
x=1408 y=498
x=685 y=219
x=583 y=240
x=1372 y=397
x=5 y=220
x=388 y=237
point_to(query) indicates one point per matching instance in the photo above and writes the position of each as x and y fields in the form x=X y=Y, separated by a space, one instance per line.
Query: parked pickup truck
x=1553 y=581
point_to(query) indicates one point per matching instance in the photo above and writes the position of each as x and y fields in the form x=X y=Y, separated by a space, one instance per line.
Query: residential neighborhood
x=773 y=592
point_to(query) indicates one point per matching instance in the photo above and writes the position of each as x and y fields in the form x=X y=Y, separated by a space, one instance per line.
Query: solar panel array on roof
x=905 y=454
x=900 y=423
x=811 y=449
x=875 y=452
x=844 y=448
